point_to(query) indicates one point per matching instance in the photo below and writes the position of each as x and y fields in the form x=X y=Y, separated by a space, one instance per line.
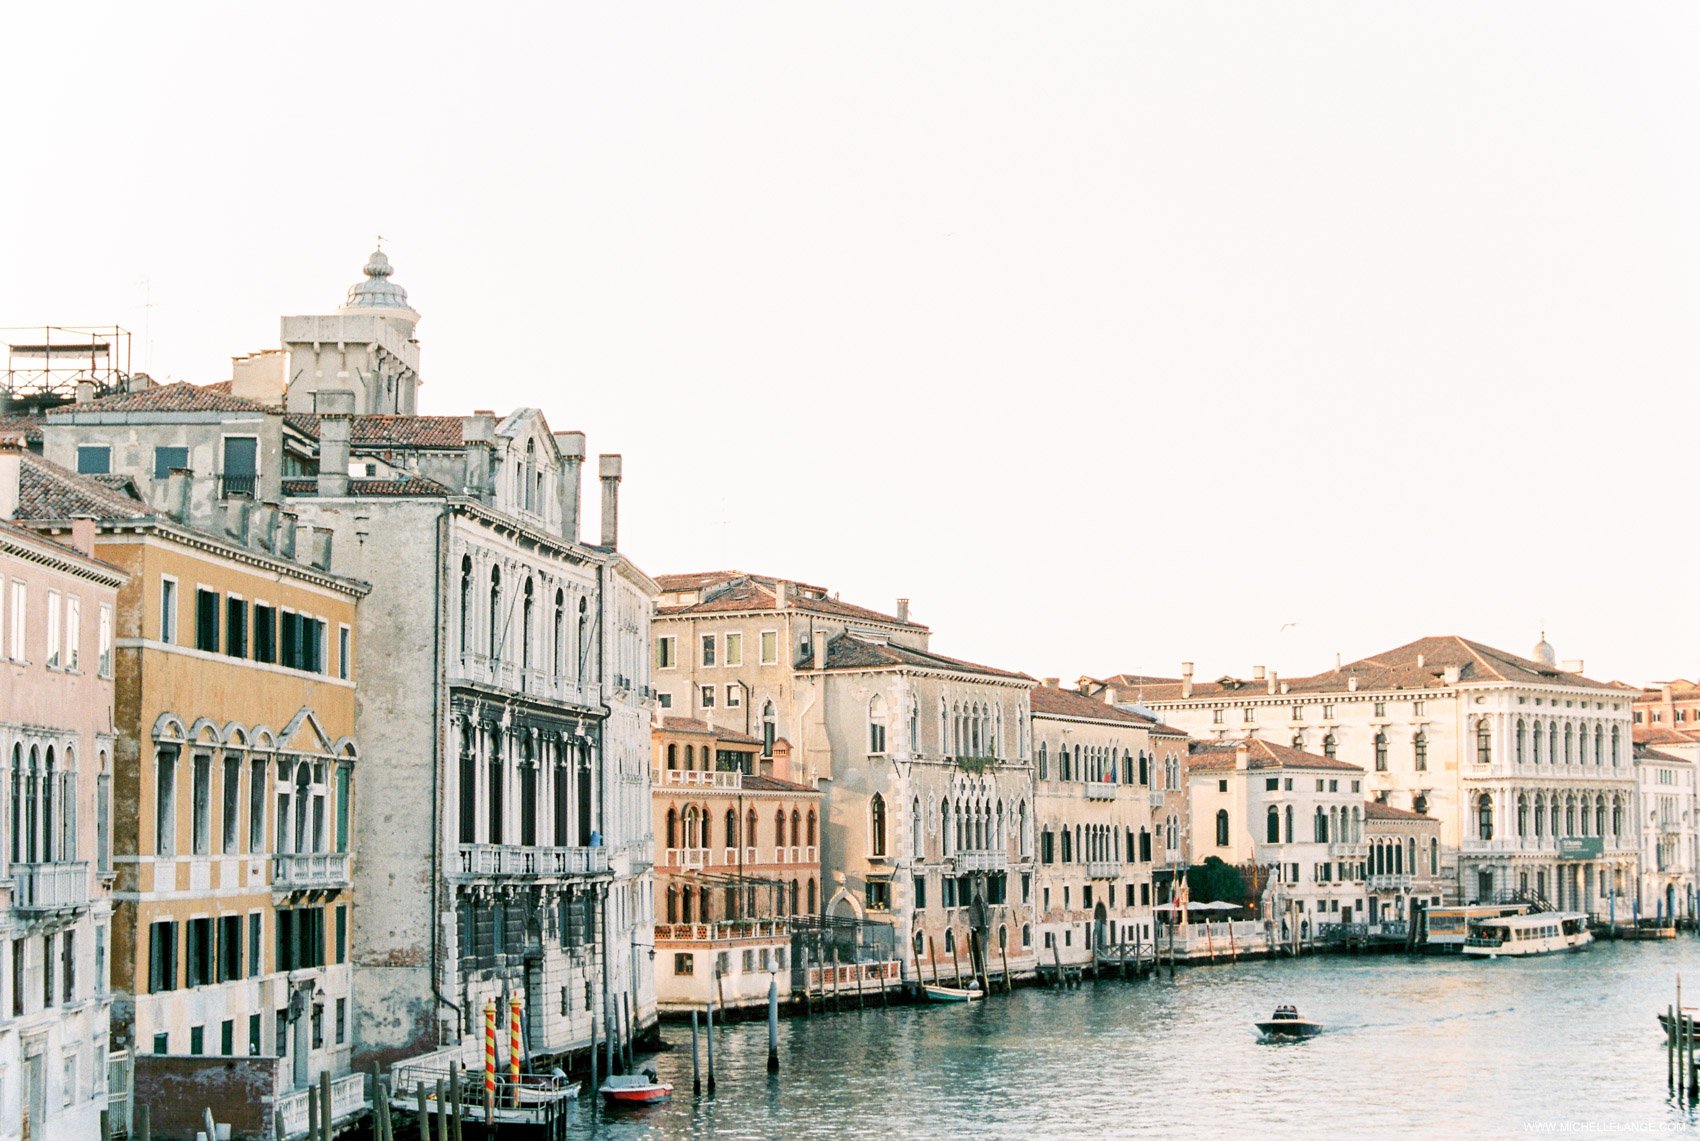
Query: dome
x=1544 y=652
x=377 y=291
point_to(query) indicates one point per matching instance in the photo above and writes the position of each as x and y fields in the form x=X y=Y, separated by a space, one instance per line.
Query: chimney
x=1421 y=660
x=1109 y=695
x=903 y=610
x=85 y=391
x=572 y=459
x=1186 y=679
x=821 y=638
x=781 y=589
x=286 y=534
x=179 y=488
x=237 y=516
x=478 y=432
x=1051 y=682
x=1272 y=680
x=260 y=377
x=263 y=528
x=1257 y=673
x=82 y=534
x=1452 y=675
x=1242 y=757
x=1352 y=684
x=1573 y=666
x=336 y=427
x=1336 y=661
x=321 y=549
x=608 y=470
x=11 y=467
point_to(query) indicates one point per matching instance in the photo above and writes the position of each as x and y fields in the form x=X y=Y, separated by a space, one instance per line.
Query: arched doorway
x=1100 y=936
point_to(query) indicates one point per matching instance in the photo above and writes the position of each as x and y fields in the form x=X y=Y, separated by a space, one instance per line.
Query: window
x=94 y=459
x=257 y=805
x=1419 y=751
x=920 y=893
x=1484 y=742
x=254 y=945
x=708 y=649
x=1216 y=716
x=665 y=700
x=200 y=958
x=54 y=632
x=168 y=460
x=684 y=964
x=162 y=957
x=734 y=650
x=104 y=662
x=344 y=652
x=206 y=620
x=666 y=652
x=236 y=627
x=1381 y=752
x=241 y=467
x=1272 y=826
x=165 y=801
x=73 y=632
x=230 y=834
x=1381 y=709
x=201 y=791
x=876 y=822
x=705 y=694
x=879 y=895
x=734 y=696
x=1330 y=746
x=265 y=633
x=20 y=611
x=229 y=949
x=1222 y=828
x=769 y=647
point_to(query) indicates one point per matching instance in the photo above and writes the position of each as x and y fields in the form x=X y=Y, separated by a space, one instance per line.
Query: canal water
x=1435 y=1046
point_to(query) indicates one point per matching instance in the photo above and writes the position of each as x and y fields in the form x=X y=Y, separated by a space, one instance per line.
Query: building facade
x=1665 y=813
x=1402 y=861
x=1093 y=768
x=234 y=775
x=57 y=743
x=924 y=761
x=1295 y=817
x=737 y=860
x=1525 y=764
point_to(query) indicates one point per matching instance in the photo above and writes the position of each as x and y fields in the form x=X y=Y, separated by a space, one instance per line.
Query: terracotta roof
x=10 y=528
x=1261 y=754
x=179 y=397
x=217 y=386
x=374 y=432
x=1663 y=735
x=1375 y=810
x=412 y=485
x=27 y=427
x=1067 y=703
x=692 y=725
x=48 y=491
x=1395 y=669
x=742 y=592
x=1643 y=752
x=847 y=652
x=756 y=782
x=1680 y=688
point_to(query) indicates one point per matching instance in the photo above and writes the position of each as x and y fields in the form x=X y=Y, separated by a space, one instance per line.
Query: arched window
x=1330 y=747
x=1272 y=826
x=1617 y=817
x=582 y=638
x=1433 y=856
x=779 y=829
x=672 y=754
x=917 y=833
x=1321 y=826
x=1299 y=741
x=811 y=909
x=1144 y=768
x=1381 y=752
x=876 y=725
x=1521 y=735
x=1614 y=742
x=876 y=822
x=1537 y=742
x=1044 y=762
x=1522 y=816
x=1484 y=817
x=1599 y=745
x=1552 y=741
x=920 y=943
x=1289 y=824
x=796 y=830
x=1222 y=828
x=751 y=836
x=465 y=603
x=810 y=835
x=1569 y=743
x=672 y=903
x=526 y=628
x=557 y=639
x=496 y=613
x=1419 y=751
x=731 y=828
x=1484 y=742
x=949 y=940
x=1599 y=816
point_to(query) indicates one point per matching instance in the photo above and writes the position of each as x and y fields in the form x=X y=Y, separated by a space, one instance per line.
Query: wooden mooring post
x=1003 y=953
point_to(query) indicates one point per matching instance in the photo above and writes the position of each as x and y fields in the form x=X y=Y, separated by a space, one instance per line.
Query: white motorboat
x=1286 y=1023
x=1517 y=936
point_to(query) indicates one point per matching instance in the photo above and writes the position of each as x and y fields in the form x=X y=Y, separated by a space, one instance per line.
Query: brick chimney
x=903 y=610
x=336 y=428
x=82 y=534
x=609 y=471
x=572 y=460
x=1186 y=679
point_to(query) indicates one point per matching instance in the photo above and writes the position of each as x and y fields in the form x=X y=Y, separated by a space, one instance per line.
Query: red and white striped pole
x=489 y=1058
x=514 y=1043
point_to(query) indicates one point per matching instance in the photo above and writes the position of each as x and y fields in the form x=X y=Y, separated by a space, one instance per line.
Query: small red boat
x=636 y=1089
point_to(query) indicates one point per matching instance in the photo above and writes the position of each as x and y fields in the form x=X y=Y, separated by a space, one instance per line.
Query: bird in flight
x=1287 y=627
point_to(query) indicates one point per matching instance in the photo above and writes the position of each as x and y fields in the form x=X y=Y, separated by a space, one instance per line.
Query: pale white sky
x=1111 y=334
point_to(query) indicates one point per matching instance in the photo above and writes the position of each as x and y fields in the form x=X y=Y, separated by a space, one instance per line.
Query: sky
x=1112 y=335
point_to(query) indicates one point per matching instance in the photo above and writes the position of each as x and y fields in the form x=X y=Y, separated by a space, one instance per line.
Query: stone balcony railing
x=689 y=857
x=348 y=1101
x=993 y=860
x=1389 y=882
x=1103 y=869
x=309 y=871
x=59 y=886
x=519 y=862
x=722 y=930
x=1340 y=849
x=1101 y=790
x=697 y=779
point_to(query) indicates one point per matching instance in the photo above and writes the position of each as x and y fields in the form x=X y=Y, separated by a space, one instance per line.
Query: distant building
x=1094 y=764
x=1525 y=764
x=1295 y=816
x=1402 y=859
x=924 y=761
x=58 y=605
x=737 y=861
x=1673 y=705
x=1670 y=844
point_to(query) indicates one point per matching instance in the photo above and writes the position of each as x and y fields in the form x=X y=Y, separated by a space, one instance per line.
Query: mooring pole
x=710 y=1031
x=773 y=1025
x=696 y=1075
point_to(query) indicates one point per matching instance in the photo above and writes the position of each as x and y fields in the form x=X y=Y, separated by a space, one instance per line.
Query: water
x=1442 y=1047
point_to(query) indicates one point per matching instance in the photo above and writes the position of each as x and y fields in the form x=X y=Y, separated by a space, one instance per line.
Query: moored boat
x=1518 y=936
x=1689 y=1022
x=954 y=994
x=1286 y=1023
x=636 y=1089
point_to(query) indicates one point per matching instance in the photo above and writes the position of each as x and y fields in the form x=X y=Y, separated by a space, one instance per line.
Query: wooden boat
x=954 y=994
x=1518 y=936
x=636 y=1089
x=1687 y=1018
x=1286 y=1023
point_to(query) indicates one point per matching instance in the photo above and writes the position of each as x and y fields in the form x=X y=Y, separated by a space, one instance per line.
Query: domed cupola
x=376 y=293
x=1544 y=653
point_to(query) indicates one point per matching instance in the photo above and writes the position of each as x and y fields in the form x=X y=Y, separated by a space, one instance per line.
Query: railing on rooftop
x=696 y=778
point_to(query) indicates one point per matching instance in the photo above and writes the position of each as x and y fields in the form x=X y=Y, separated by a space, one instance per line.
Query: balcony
x=1102 y=869
x=689 y=858
x=996 y=860
x=238 y=486
x=309 y=871
x=723 y=930
x=1156 y=798
x=692 y=778
x=514 y=861
x=1101 y=790
x=1389 y=882
x=1343 y=851
x=59 y=886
